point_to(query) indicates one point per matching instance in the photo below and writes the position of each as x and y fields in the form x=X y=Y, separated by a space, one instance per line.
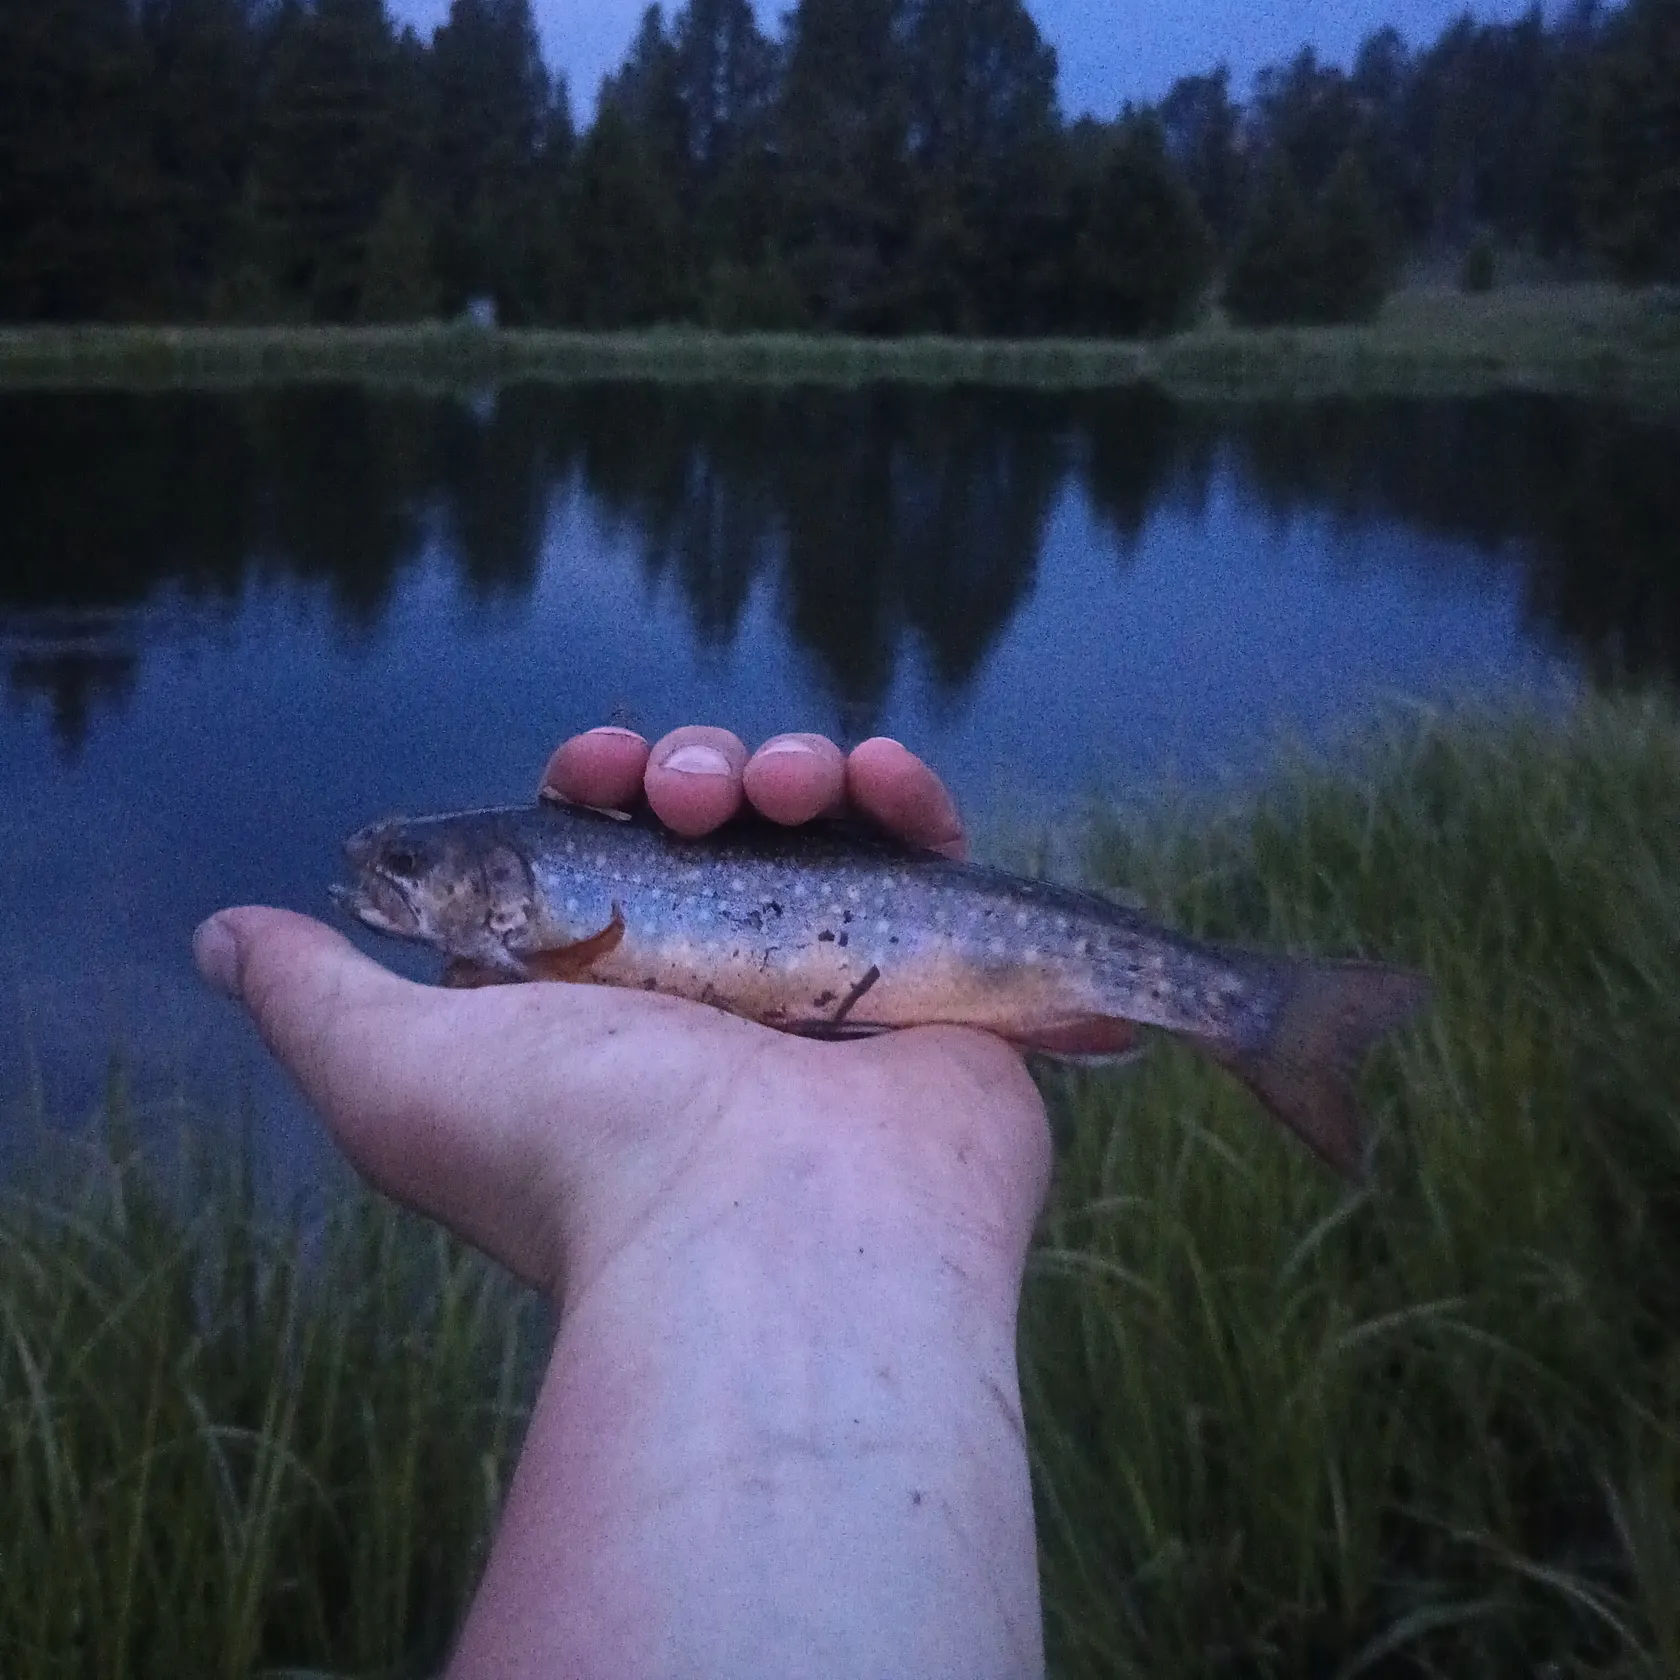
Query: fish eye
x=401 y=861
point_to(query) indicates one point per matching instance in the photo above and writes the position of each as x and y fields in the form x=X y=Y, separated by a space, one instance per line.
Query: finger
x=886 y=781
x=602 y=767
x=693 y=779
x=792 y=778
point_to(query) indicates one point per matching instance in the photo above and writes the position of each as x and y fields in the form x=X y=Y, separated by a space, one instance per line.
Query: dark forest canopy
x=884 y=166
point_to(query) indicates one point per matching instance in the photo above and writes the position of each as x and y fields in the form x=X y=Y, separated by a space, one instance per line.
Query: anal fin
x=1090 y=1040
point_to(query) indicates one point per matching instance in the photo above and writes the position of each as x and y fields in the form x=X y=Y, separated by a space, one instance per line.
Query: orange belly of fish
x=823 y=989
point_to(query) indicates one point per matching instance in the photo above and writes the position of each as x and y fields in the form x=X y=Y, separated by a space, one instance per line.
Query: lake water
x=234 y=628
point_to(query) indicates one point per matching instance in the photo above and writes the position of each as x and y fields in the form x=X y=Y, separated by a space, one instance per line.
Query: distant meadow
x=1583 y=339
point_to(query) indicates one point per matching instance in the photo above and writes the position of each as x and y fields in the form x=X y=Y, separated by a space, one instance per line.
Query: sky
x=1110 y=50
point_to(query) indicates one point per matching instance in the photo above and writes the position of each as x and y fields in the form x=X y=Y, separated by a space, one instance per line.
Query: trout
x=833 y=933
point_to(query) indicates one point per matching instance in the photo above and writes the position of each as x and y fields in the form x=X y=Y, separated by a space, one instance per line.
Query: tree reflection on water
x=877 y=518
x=78 y=662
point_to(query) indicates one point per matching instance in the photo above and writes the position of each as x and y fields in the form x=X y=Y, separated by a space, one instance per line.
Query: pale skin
x=780 y=1431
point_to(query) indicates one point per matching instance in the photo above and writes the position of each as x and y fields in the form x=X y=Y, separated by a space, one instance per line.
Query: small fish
x=828 y=932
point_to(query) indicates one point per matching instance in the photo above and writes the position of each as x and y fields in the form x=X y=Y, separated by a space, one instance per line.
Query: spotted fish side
x=815 y=930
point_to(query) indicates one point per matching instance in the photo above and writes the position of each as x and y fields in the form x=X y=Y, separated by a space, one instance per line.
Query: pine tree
x=1273 y=269
x=201 y=72
x=1309 y=112
x=622 y=235
x=646 y=92
x=1632 y=174
x=725 y=80
x=79 y=233
x=1144 y=254
x=982 y=136
x=1382 y=79
x=1328 y=263
x=648 y=145
x=1350 y=257
x=534 y=287
x=981 y=84
x=1203 y=129
x=328 y=152
x=489 y=118
x=843 y=139
x=398 y=281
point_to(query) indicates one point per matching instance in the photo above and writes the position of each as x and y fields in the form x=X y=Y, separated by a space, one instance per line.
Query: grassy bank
x=228 y=1446
x=1587 y=339
x=1277 y=1429
x=1432 y=1429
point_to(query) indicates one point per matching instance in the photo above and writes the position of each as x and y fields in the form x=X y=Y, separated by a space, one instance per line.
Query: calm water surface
x=234 y=628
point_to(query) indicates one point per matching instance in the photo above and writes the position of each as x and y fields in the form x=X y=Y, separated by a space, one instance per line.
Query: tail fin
x=1331 y=1017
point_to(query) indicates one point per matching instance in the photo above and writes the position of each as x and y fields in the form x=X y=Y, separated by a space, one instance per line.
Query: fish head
x=438 y=882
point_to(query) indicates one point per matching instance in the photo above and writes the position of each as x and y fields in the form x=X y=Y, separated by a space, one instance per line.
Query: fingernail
x=696 y=761
x=613 y=729
x=216 y=952
x=788 y=744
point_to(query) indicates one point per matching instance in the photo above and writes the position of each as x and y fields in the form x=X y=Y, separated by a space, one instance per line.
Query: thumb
x=341 y=1025
x=378 y=1056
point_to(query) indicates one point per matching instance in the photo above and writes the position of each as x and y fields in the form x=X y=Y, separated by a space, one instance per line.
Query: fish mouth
x=353 y=901
x=378 y=898
x=380 y=902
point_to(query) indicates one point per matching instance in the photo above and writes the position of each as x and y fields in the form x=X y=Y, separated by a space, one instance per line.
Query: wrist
x=756 y=1474
x=780 y=1433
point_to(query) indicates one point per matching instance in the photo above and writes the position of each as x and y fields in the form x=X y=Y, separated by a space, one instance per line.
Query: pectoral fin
x=573 y=962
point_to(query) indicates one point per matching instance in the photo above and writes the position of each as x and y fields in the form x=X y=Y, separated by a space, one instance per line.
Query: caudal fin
x=1333 y=1015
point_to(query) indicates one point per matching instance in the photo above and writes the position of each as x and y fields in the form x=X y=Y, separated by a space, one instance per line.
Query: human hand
x=781 y=1428
x=546 y=1123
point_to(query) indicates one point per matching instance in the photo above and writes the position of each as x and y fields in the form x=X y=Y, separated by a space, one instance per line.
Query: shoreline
x=1585 y=340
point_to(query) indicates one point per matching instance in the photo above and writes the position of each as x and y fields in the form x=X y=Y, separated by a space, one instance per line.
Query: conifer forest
x=876 y=166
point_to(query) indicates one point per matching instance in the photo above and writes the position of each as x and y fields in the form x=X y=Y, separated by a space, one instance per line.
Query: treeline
x=882 y=166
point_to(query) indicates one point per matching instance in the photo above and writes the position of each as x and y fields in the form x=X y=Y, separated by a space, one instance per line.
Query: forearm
x=792 y=1453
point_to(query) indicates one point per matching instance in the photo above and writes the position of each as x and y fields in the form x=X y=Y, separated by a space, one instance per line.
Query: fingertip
x=215 y=948
x=602 y=767
x=793 y=778
x=225 y=945
x=889 y=783
x=296 y=977
x=694 y=779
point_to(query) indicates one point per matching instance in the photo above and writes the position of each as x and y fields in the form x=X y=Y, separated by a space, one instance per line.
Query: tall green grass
x=1431 y=1427
x=231 y=1444
x=1584 y=338
x=1278 y=1428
